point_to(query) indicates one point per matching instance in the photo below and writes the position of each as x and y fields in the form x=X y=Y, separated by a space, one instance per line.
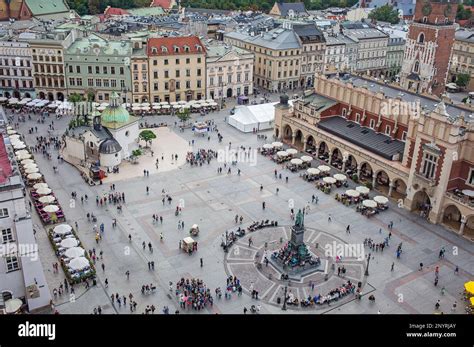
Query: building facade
x=418 y=152
x=341 y=53
x=96 y=67
x=395 y=52
x=139 y=70
x=177 y=68
x=229 y=71
x=371 y=47
x=21 y=271
x=428 y=48
x=462 y=60
x=16 y=69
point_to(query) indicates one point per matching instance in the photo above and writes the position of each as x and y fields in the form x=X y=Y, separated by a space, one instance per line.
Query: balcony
x=423 y=180
x=460 y=198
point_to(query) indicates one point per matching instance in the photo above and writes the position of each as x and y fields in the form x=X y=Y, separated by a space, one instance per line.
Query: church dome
x=109 y=146
x=115 y=113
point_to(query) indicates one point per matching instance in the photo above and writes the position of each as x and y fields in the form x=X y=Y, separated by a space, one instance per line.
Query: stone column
x=463 y=224
x=304 y=143
x=344 y=162
x=293 y=138
x=358 y=171
x=374 y=180
x=390 y=187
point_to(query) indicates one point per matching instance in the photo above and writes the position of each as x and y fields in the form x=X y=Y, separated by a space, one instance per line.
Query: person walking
x=393 y=265
x=201 y=262
x=127 y=273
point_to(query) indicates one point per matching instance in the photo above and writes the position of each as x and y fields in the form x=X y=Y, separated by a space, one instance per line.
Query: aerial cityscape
x=162 y=157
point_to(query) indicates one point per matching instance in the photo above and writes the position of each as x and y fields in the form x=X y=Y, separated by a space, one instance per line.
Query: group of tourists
x=200 y=157
x=193 y=294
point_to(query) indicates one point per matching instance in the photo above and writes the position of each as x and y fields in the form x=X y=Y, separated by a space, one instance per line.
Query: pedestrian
x=127 y=273
x=263 y=205
x=421 y=267
x=455 y=304
x=201 y=262
x=456 y=270
x=245 y=310
x=103 y=267
x=348 y=229
x=393 y=265
x=437 y=305
x=106 y=283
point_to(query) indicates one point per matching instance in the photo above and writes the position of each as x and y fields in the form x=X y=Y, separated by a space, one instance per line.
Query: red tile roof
x=114 y=11
x=167 y=46
x=166 y=4
x=5 y=165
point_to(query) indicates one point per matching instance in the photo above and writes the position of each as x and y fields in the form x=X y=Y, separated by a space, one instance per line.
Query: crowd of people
x=200 y=157
x=193 y=294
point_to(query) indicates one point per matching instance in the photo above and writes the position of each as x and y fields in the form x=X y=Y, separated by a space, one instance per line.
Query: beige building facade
x=177 y=69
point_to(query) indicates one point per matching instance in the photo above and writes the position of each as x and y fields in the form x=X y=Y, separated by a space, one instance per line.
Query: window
x=112 y=70
x=177 y=73
x=358 y=117
x=404 y=136
x=97 y=69
x=199 y=59
x=105 y=70
x=106 y=83
x=177 y=61
x=421 y=38
x=178 y=86
x=155 y=74
x=89 y=69
x=166 y=86
x=7 y=235
x=372 y=123
x=344 y=112
x=188 y=60
x=12 y=263
x=166 y=62
x=199 y=83
x=188 y=73
x=211 y=81
x=113 y=83
x=199 y=72
x=470 y=177
x=98 y=82
x=166 y=74
x=428 y=167
x=90 y=82
x=416 y=67
x=425 y=19
x=122 y=70
x=387 y=130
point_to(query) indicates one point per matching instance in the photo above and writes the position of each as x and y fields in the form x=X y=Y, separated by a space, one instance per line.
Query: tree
x=462 y=13
x=385 y=13
x=183 y=115
x=147 y=136
x=462 y=79
x=75 y=98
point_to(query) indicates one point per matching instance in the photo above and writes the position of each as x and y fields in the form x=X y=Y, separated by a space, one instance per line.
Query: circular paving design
x=247 y=264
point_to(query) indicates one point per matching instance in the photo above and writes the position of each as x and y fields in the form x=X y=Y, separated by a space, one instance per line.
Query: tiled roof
x=285 y=7
x=115 y=11
x=42 y=7
x=5 y=165
x=161 y=3
x=175 y=46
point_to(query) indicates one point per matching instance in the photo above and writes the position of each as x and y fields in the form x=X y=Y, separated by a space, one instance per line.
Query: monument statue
x=299 y=220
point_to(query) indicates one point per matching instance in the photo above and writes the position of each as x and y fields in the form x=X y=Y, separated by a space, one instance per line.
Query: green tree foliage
x=462 y=79
x=98 y=6
x=147 y=136
x=75 y=98
x=463 y=13
x=385 y=13
x=183 y=114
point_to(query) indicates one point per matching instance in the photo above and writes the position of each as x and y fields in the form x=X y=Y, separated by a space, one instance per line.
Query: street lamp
x=367 y=268
x=284 y=300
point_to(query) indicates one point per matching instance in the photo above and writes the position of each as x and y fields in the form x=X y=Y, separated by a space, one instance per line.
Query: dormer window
x=198 y=48
x=164 y=49
x=176 y=49
x=186 y=48
x=425 y=19
x=154 y=50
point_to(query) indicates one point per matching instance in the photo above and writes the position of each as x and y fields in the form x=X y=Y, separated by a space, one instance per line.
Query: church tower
x=428 y=48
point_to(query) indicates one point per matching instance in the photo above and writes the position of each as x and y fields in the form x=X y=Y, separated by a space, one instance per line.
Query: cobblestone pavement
x=212 y=200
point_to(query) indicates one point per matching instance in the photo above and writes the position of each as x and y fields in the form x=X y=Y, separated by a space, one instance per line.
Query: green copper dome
x=115 y=113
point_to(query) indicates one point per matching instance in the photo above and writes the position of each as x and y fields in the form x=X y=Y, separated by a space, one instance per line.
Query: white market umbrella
x=47 y=199
x=177 y=107
x=27 y=161
x=13 y=101
x=296 y=161
x=196 y=105
x=136 y=104
x=14 y=137
x=62 y=229
x=313 y=171
x=267 y=146
x=69 y=242
x=213 y=103
x=468 y=192
x=324 y=168
x=369 y=203
x=23 y=156
x=19 y=145
x=363 y=190
x=340 y=177
x=101 y=108
x=104 y=104
x=32 y=170
x=40 y=185
x=35 y=176
x=51 y=208
x=306 y=158
x=11 y=132
x=381 y=199
x=352 y=193
x=156 y=107
x=282 y=153
x=127 y=104
x=136 y=108
x=209 y=100
x=164 y=103
x=22 y=151
x=173 y=103
x=3 y=98
x=277 y=144
x=291 y=151
x=13 y=305
x=74 y=252
x=182 y=102
x=329 y=180
x=145 y=108
x=79 y=263
x=166 y=106
x=43 y=191
x=145 y=104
